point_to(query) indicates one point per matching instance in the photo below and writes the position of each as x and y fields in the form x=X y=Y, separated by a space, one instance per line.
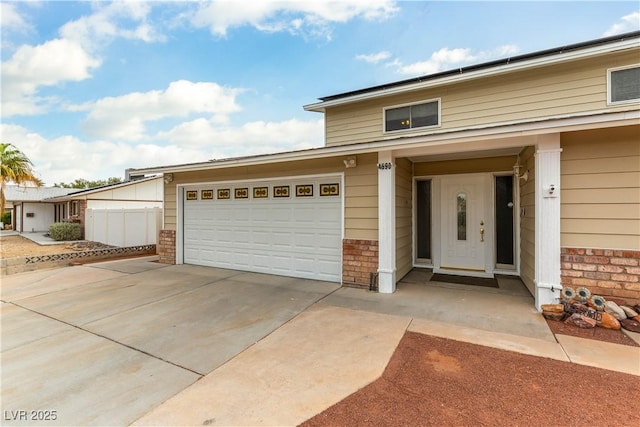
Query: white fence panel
x=123 y=227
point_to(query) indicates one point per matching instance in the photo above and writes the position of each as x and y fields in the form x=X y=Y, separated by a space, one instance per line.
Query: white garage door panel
x=295 y=236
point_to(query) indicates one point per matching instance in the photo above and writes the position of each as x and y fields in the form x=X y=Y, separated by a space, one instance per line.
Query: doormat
x=489 y=282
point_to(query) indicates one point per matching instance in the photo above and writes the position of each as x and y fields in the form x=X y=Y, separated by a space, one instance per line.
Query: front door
x=464 y=224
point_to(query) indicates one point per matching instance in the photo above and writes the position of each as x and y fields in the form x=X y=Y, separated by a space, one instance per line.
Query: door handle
x=482 y=231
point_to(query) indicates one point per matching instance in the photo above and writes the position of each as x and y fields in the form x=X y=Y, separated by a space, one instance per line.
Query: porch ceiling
x=511 y=151
x=466 y=149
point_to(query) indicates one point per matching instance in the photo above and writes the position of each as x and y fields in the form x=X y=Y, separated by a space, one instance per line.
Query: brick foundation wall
x=81 y=217
x=606 y=272
x=359 y=260
x=167 y=246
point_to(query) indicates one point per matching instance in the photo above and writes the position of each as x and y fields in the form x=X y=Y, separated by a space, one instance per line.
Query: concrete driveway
x=102 y=344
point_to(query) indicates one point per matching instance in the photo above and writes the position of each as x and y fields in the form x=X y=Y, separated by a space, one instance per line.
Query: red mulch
x=433 y=381
x=600 y=334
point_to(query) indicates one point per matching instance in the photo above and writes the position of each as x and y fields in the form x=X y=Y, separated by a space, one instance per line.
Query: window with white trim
x=419 y=115
x=623 y=84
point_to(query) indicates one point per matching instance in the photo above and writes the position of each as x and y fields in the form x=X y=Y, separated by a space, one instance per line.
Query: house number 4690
x=386 y=165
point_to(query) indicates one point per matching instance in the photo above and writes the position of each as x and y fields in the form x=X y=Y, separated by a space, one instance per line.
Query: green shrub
x=6 y=218
x=65 y=231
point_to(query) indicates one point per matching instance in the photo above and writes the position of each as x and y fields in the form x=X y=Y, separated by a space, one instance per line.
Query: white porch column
x=547 y=223
x=386 y=223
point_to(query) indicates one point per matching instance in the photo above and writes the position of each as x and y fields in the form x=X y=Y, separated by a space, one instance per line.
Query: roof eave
x=81 y=193
x=537 y=125
x=491 y=69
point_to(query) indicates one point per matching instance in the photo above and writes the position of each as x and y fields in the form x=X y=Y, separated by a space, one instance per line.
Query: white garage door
x=288 y=227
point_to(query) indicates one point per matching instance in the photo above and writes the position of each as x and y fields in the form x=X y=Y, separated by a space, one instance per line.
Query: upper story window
x=423 y=114
x=623 y=84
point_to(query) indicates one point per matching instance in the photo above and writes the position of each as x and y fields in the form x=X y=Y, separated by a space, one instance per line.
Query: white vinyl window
x=623 y=84
x=419 y=115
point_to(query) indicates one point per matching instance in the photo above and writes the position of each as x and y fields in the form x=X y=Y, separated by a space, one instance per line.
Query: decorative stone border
x=10 y=266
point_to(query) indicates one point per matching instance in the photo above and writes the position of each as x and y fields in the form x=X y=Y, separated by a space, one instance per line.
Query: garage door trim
x=253 y=182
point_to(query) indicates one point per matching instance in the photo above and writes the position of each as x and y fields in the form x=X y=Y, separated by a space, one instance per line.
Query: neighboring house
x=526 y=166
x=131 y=196
x=30 y=212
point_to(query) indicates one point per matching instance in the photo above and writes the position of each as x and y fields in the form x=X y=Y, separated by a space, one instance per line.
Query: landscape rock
x=636 y=318
x=580 y=307
x=618 y=301
x=636 y=308
x=609 y=322
x=630 y=312
x=614 y=309
x=581 y=321
x=553 y=308
x=630 y=325
x=553 y=316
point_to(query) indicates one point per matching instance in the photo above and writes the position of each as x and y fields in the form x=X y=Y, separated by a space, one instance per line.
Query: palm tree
x=15 y=166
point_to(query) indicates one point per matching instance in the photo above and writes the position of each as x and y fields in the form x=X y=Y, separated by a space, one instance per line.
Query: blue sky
x=92 y=88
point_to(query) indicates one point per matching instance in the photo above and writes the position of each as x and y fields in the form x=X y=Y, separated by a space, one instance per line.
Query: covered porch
x=478 y=206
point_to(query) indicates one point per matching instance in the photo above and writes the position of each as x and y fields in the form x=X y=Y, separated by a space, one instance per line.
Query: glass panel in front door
x=461 y=205
x=504 y=220
x=423 y=220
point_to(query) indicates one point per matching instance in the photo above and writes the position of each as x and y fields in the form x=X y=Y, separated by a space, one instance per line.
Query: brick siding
x=167 y=246
x=81 y=217
x=606 y=272
x=359 y=261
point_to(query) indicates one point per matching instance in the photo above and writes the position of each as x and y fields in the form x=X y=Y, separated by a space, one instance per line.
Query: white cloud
x=11 y=19
x=67 y=158
x=125 y=19
x=297 y=17
x=258 y=137
x=374 y=58
x=446 y=58
x=628 y=23
x=69 y=57
x=124 y=117
x=51 y=63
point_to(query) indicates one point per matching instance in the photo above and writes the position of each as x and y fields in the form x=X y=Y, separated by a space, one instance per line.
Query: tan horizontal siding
x=600 y=241
x=568 y=88
x=602 y=195
x=170 y=207
x=361 y=202
x=361 y=199
x=609 y=162
x=603 y=180
x=597 y=211
x=601 y=188
x=404 y=200
x=362 y=228
x=350 y=128
x=527 y=221
x=609 y=227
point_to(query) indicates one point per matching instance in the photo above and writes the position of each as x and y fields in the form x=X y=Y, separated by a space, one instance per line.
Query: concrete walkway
x=39 y=237
x=138 y=342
